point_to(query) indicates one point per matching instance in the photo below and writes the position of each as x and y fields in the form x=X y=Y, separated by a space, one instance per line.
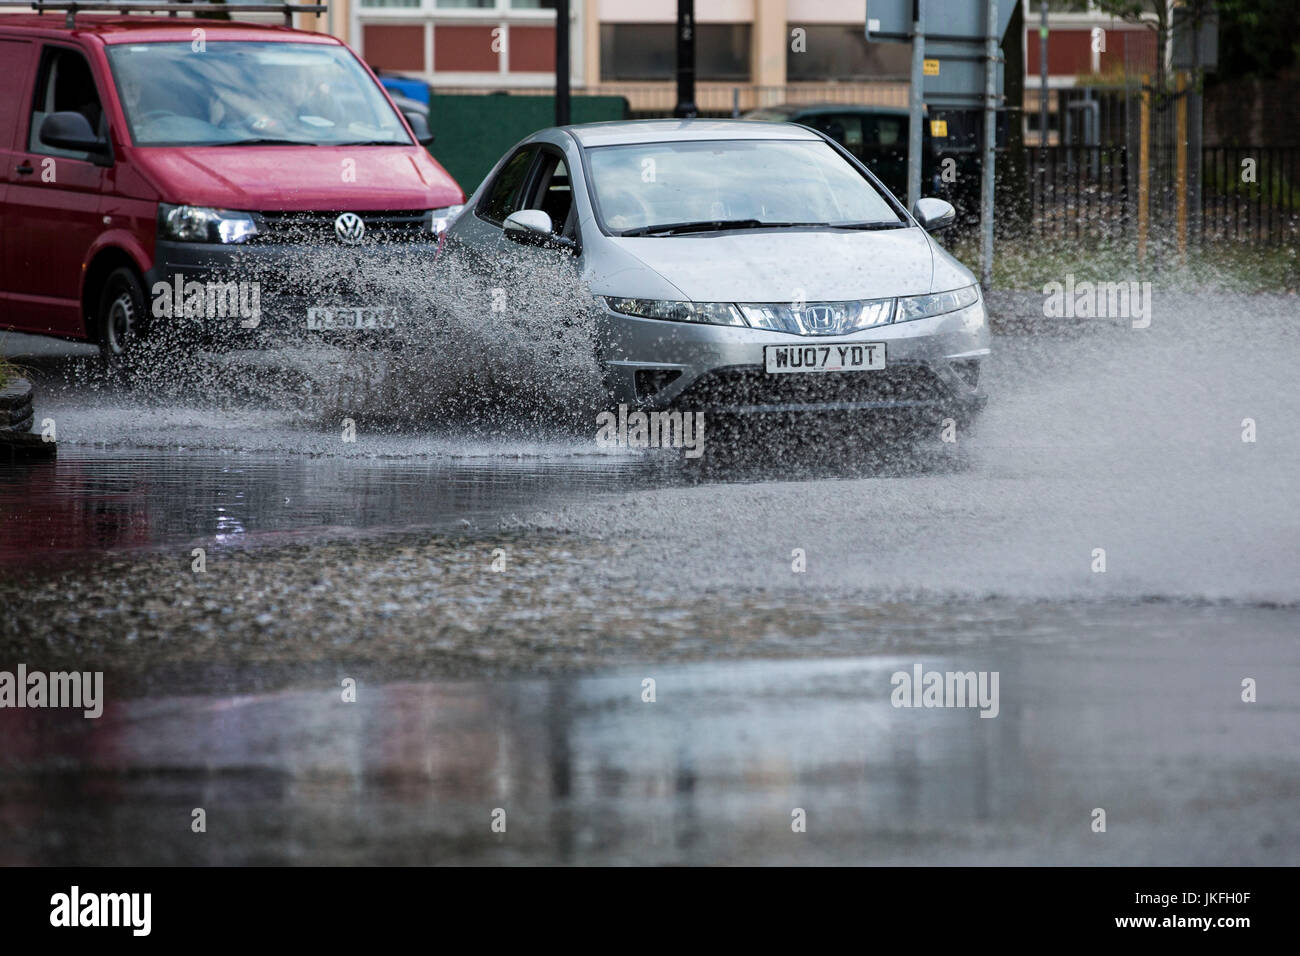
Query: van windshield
x=233 y=93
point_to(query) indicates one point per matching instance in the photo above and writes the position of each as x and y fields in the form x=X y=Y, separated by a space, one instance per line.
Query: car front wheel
x=120 y=320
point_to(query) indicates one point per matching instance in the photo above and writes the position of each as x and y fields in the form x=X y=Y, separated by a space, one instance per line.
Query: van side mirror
x=71 y=130
x=420 y=127
x=934 y=214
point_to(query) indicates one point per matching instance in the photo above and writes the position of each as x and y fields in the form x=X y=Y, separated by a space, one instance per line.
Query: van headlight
x=709 y=313
x=440 y=220
x=201 y=224
x=936 y=303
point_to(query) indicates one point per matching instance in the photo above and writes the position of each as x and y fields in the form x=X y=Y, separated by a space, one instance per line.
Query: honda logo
x=820 y=319
x=350 y=228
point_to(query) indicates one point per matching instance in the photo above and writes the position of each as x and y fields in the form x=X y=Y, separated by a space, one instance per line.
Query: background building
x=748 y=52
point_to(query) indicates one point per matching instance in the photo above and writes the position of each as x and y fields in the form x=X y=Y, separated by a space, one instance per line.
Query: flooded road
x=500 y=599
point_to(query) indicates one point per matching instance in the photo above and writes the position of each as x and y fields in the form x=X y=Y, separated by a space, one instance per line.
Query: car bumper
x=289 y=279
x=932 y=365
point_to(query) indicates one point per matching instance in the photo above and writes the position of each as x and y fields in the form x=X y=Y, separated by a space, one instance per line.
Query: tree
x=1257 y=37
x=1137 y=11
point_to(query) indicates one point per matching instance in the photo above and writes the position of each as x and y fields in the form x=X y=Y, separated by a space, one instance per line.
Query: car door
x=54 y=202
x=17 y=65
x=478 y=232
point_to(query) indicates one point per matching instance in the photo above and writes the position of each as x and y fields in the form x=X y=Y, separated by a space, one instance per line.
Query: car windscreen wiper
x=886 y=224
x=677 y=228
x=264 y=142
x=371 y=142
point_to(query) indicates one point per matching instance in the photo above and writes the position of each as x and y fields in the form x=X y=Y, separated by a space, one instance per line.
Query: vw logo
x=349 y=228
x=820 y=318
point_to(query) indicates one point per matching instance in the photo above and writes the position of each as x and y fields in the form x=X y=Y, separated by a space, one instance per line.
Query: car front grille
x=743 y=387
x=318 y=227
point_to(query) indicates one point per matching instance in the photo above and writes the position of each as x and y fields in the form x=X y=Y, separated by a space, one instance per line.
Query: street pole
x=562 y=63
x=1042 y=83
x=1195 y=131
x=990 y=143
x=686 y=60
x=915 y=108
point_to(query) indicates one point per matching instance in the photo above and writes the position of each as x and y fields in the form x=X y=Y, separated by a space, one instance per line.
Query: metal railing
x=1248 y=193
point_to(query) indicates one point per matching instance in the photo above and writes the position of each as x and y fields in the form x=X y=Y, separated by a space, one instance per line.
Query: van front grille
x=318 y=227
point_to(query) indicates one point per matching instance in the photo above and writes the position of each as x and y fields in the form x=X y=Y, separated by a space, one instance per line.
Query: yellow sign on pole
x=938 y=128
x=930 y=67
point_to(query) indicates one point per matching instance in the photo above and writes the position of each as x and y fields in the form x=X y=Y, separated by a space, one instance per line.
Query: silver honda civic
x=742 y=268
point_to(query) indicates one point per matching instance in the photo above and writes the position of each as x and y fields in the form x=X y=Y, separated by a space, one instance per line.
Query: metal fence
x=1079 y=192
x=1249 y=193
x=1070 y=192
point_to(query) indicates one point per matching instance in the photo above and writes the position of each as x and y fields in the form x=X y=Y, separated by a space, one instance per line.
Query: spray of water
x=503 y=344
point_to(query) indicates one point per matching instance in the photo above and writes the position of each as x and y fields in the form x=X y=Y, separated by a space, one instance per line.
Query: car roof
x=116 y=28
x=629 y=132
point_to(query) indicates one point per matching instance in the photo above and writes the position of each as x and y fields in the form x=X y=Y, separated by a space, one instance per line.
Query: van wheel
x=119 y=323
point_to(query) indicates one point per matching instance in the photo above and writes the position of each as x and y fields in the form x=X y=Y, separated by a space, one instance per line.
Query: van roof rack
x=71 y=7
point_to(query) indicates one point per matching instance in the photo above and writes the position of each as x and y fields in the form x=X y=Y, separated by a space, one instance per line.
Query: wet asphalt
x=394 y=643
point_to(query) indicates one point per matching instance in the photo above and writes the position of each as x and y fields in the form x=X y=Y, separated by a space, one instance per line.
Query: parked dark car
x=878 y=135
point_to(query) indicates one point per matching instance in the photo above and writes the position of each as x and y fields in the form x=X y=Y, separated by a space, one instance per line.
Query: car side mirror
x=420 y=127
x=532 y=227
x=71 y=130
x=934 y=215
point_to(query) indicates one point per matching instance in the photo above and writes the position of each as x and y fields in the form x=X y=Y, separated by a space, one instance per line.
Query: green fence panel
x=471 y=131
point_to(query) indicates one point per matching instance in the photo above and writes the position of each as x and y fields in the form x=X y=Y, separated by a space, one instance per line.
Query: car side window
x=64 y=84
x=503 y=197
x=551 y=191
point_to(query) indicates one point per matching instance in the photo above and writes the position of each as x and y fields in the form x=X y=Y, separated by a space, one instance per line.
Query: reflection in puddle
x=89 y=501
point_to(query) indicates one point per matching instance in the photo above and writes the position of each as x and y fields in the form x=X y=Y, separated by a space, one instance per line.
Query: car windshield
x=233 y=93
x=733 y=183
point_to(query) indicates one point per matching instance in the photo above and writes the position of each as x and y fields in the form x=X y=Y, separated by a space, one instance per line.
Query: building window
x=393 y=46
x=837 y=52
x=466 y=4
x=532 y=49
x=390 y=3
x=648 y=51
x=466 y=49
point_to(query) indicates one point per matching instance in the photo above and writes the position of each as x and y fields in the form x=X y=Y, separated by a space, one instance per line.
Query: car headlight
x=201 y=224
x=440 y=220
x=819 y=318
x=710 y=313
x=937 y=303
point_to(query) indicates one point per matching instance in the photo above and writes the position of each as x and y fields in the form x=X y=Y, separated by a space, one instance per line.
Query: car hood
x=785 y=265
x=281 y=178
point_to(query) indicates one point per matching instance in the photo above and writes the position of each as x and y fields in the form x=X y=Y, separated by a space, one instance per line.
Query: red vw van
x=164 y=171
